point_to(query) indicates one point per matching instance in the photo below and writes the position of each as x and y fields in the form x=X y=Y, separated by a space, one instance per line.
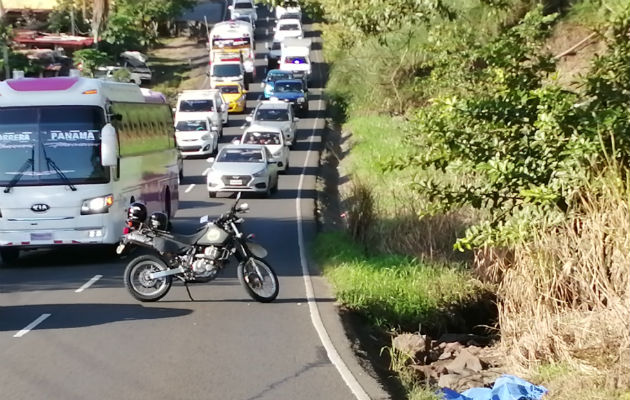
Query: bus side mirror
x=109 y=146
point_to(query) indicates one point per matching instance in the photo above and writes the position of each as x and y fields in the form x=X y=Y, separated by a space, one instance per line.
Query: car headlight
x=205 y=137
x=300 y=100
x=277 y=153
x=97 y=205
x=260 y=173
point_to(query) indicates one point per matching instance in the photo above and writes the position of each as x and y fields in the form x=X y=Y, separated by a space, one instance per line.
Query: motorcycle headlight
x=97 y=205
x=300 y=100
x=260 y=173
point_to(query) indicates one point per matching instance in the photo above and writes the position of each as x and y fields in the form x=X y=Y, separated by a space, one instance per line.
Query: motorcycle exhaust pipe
x=162 y=274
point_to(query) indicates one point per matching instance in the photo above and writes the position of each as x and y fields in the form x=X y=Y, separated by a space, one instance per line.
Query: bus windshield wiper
x=28 y=163
x=61 y=174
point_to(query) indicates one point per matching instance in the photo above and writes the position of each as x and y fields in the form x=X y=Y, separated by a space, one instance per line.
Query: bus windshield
x=42 y=143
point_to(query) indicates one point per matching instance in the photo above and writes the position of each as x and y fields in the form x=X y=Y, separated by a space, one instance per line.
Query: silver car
x=243 y=168
x=278 y=114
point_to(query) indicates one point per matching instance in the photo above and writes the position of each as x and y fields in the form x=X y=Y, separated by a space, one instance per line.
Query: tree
x=90 y=60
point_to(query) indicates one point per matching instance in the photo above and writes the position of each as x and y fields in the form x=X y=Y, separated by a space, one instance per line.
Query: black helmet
x=137 y=213
x=158 y=221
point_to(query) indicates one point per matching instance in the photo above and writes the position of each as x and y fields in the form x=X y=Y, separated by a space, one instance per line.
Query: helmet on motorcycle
x=158 y=221
x=136 y=214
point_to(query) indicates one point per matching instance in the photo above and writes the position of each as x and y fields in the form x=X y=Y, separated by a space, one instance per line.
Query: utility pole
x=73 y=28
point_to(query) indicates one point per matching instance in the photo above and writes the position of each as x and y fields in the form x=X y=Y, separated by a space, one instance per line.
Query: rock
x=464 y=360
x=413 y=345
x=454 y=348
x=449 y=380
x=426 y=372
x=445 y=356
x=465 y=338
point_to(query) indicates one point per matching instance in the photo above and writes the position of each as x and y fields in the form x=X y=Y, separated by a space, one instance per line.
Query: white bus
x=74 y=153
x=235 y=37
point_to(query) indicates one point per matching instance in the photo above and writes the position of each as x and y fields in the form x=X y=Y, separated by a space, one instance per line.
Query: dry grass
x=565 y=295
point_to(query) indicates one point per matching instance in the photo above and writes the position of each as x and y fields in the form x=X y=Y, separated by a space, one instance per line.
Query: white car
x=288 y=28
x=278 y=114
x=243 y=7
x=242 y=168
x=288 y=7
x=200 y=104
x=245 y=18
x=196 y=137
x=109 y=74
x=273 y=139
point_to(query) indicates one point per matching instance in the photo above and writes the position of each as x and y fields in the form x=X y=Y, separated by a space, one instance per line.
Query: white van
x=295 y=57
x=200 y=104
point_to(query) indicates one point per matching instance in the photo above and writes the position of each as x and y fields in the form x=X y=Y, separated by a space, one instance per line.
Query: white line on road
x=316 y=319
x=189 y=188
x=205 y=172
x=32 y=325
x=88 y=283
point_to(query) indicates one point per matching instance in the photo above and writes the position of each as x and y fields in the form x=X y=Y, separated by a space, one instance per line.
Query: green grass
x=394 y=291
x=594 y=13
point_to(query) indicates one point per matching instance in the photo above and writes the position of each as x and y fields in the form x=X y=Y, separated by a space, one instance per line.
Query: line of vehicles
x=251 y=163
x=75 y=152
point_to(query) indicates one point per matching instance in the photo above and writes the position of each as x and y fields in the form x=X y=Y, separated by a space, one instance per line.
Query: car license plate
x=41 y=236
x=236 y=182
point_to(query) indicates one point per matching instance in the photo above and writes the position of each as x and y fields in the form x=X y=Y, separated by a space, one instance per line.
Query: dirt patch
x=574 y=61
x=178 y=64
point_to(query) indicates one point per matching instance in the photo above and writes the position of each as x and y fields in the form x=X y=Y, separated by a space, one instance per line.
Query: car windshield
x=281 y=87
x=35 y=140
x=272 y=114
x=289 y=27
x=264 y=138
x=201 y=105
x=229 y=89
x=244 y=18
x=196 y=125
x=275 y=76
x=290 y=16
x=243 y=5
x=295 y=60
x=241 y=155
x=226 y=70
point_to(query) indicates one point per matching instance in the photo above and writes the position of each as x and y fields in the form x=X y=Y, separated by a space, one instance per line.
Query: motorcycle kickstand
x=187 y=289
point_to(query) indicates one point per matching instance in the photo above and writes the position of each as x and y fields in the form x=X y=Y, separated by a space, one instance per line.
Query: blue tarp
x=507 y=387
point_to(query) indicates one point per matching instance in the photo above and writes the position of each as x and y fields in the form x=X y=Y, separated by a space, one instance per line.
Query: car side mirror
x=214 y=128
x=249 y=118
x=244 y=91
x=210 y=160
x=262 y=84
x=243 y=207
x=236 y=141
x=296 y=119
x=109 y=146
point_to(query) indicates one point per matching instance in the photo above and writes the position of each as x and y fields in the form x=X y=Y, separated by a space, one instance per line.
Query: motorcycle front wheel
x=138 y=282
x=258 y=279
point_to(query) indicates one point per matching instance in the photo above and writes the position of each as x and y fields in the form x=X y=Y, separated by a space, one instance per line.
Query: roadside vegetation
x=488 y=153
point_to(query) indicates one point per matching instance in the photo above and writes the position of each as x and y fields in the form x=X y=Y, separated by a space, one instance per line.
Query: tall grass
x=395 y=291
x=565 y=296
x=384 y=212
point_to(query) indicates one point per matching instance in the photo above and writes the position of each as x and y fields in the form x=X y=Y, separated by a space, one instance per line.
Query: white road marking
x=189 y=188
x=32 y=325
x=205 y=172
x=316 y=319
x=89 y=283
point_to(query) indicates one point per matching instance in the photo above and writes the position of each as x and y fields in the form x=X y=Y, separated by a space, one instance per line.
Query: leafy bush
x=519 y=143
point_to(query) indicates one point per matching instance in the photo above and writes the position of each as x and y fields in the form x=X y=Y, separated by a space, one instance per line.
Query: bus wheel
x=9 y=255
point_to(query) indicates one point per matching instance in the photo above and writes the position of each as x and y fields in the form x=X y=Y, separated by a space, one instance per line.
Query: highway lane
x=100 y=343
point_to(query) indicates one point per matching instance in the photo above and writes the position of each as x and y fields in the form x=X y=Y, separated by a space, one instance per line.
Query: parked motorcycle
x=197 y=257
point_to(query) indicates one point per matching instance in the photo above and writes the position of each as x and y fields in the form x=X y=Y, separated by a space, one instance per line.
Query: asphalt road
x=99 y=343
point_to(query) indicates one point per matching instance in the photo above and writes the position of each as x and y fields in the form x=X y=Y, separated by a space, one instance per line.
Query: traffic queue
x=252 y=162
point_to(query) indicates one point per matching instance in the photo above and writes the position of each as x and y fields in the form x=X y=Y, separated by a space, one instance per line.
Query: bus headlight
x=97 y=205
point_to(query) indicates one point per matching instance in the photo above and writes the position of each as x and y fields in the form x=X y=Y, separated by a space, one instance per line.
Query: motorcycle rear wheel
x=259 y=279
x=139 y=285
